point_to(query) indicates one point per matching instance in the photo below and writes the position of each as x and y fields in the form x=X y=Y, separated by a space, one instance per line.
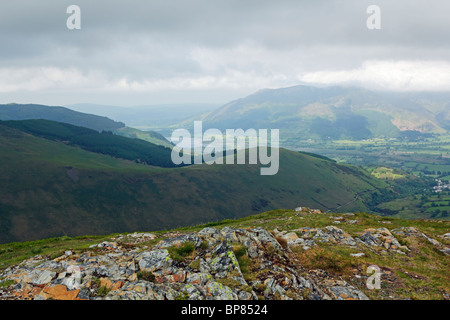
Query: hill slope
x=335 y=112
x=60 y=114
x=49 y=189
x=150 y=136
x=134 y=149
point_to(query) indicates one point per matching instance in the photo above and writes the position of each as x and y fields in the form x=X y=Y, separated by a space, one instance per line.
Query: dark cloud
x=187 y=45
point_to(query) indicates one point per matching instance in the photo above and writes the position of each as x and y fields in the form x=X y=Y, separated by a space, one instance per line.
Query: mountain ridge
x=15 y=111
x=335 y=112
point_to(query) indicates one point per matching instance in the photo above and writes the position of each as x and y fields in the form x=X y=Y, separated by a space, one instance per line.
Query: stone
x=43 y=277
x=358 y=255
x=219 y=291
x=200 y=278
x=382 y=237
x=154 y=260
x=59 y=292
x=291 y=236
x=209 y=232
x=266 y=237
x=221 y=248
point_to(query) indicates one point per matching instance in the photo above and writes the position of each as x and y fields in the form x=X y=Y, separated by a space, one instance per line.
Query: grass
x=195 y=265
x=232 y=283
x=386 y=173
x=181 y=252
x=326 y=259
x=52 y=248
x=245 y=263
x=6 y=283
x=146 y=275
x=149 y=136
x=103 y=291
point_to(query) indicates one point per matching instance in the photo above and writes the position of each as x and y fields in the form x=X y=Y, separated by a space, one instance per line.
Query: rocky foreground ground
x=229 y=263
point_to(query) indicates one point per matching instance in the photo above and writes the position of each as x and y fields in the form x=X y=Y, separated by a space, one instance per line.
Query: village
x=441 y=186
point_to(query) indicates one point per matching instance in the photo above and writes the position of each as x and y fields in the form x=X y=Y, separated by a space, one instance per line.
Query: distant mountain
x=49 y=188
x=34 y=111
x=303 y=112
x=77 y=118
x=159 y=116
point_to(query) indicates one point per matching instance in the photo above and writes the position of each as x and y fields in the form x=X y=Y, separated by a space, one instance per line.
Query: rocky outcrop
x=414 y=232
x=309 y=237
x=383 y=238
x=220 y=264
x=209 y=268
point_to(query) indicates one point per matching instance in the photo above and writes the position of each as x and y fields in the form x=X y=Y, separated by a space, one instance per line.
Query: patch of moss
x=179 y=253
x=145 y=275
x=195 y=265
x=7 y=283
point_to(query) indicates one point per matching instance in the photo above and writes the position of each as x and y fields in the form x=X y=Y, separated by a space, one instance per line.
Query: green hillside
x=15 y=111
x=105 y=142
x=150 y=136
x=48 y=188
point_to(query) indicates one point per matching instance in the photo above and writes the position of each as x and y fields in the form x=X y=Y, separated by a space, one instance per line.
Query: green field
x=432 y=206
x=386 y=173
x=149 y=136
x=393 y=159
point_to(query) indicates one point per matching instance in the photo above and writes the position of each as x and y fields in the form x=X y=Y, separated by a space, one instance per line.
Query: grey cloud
x=143 y=40
x=227 y=21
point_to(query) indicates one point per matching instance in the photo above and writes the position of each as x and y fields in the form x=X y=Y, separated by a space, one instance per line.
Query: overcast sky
x=140 y=52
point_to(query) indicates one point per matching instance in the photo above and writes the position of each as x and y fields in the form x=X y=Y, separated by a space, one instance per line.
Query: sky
x=144 y=52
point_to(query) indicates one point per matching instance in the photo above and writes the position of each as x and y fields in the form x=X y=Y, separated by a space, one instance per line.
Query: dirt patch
x=73 y=174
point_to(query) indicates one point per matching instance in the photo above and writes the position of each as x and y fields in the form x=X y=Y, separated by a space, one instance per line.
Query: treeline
x=104 y=142
x=435 y=172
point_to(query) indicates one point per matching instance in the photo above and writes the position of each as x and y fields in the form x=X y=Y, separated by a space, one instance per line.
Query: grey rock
x=41 y=277
x=198 y=278
x=154 y=260
x=210 y=232
x=220 y=292
x=266 y=237
x=358 y=255
x=221 y=248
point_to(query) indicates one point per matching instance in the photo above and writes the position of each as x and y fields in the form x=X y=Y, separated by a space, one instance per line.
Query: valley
x=398 y=171
x=49 y=188
x=393 y=160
